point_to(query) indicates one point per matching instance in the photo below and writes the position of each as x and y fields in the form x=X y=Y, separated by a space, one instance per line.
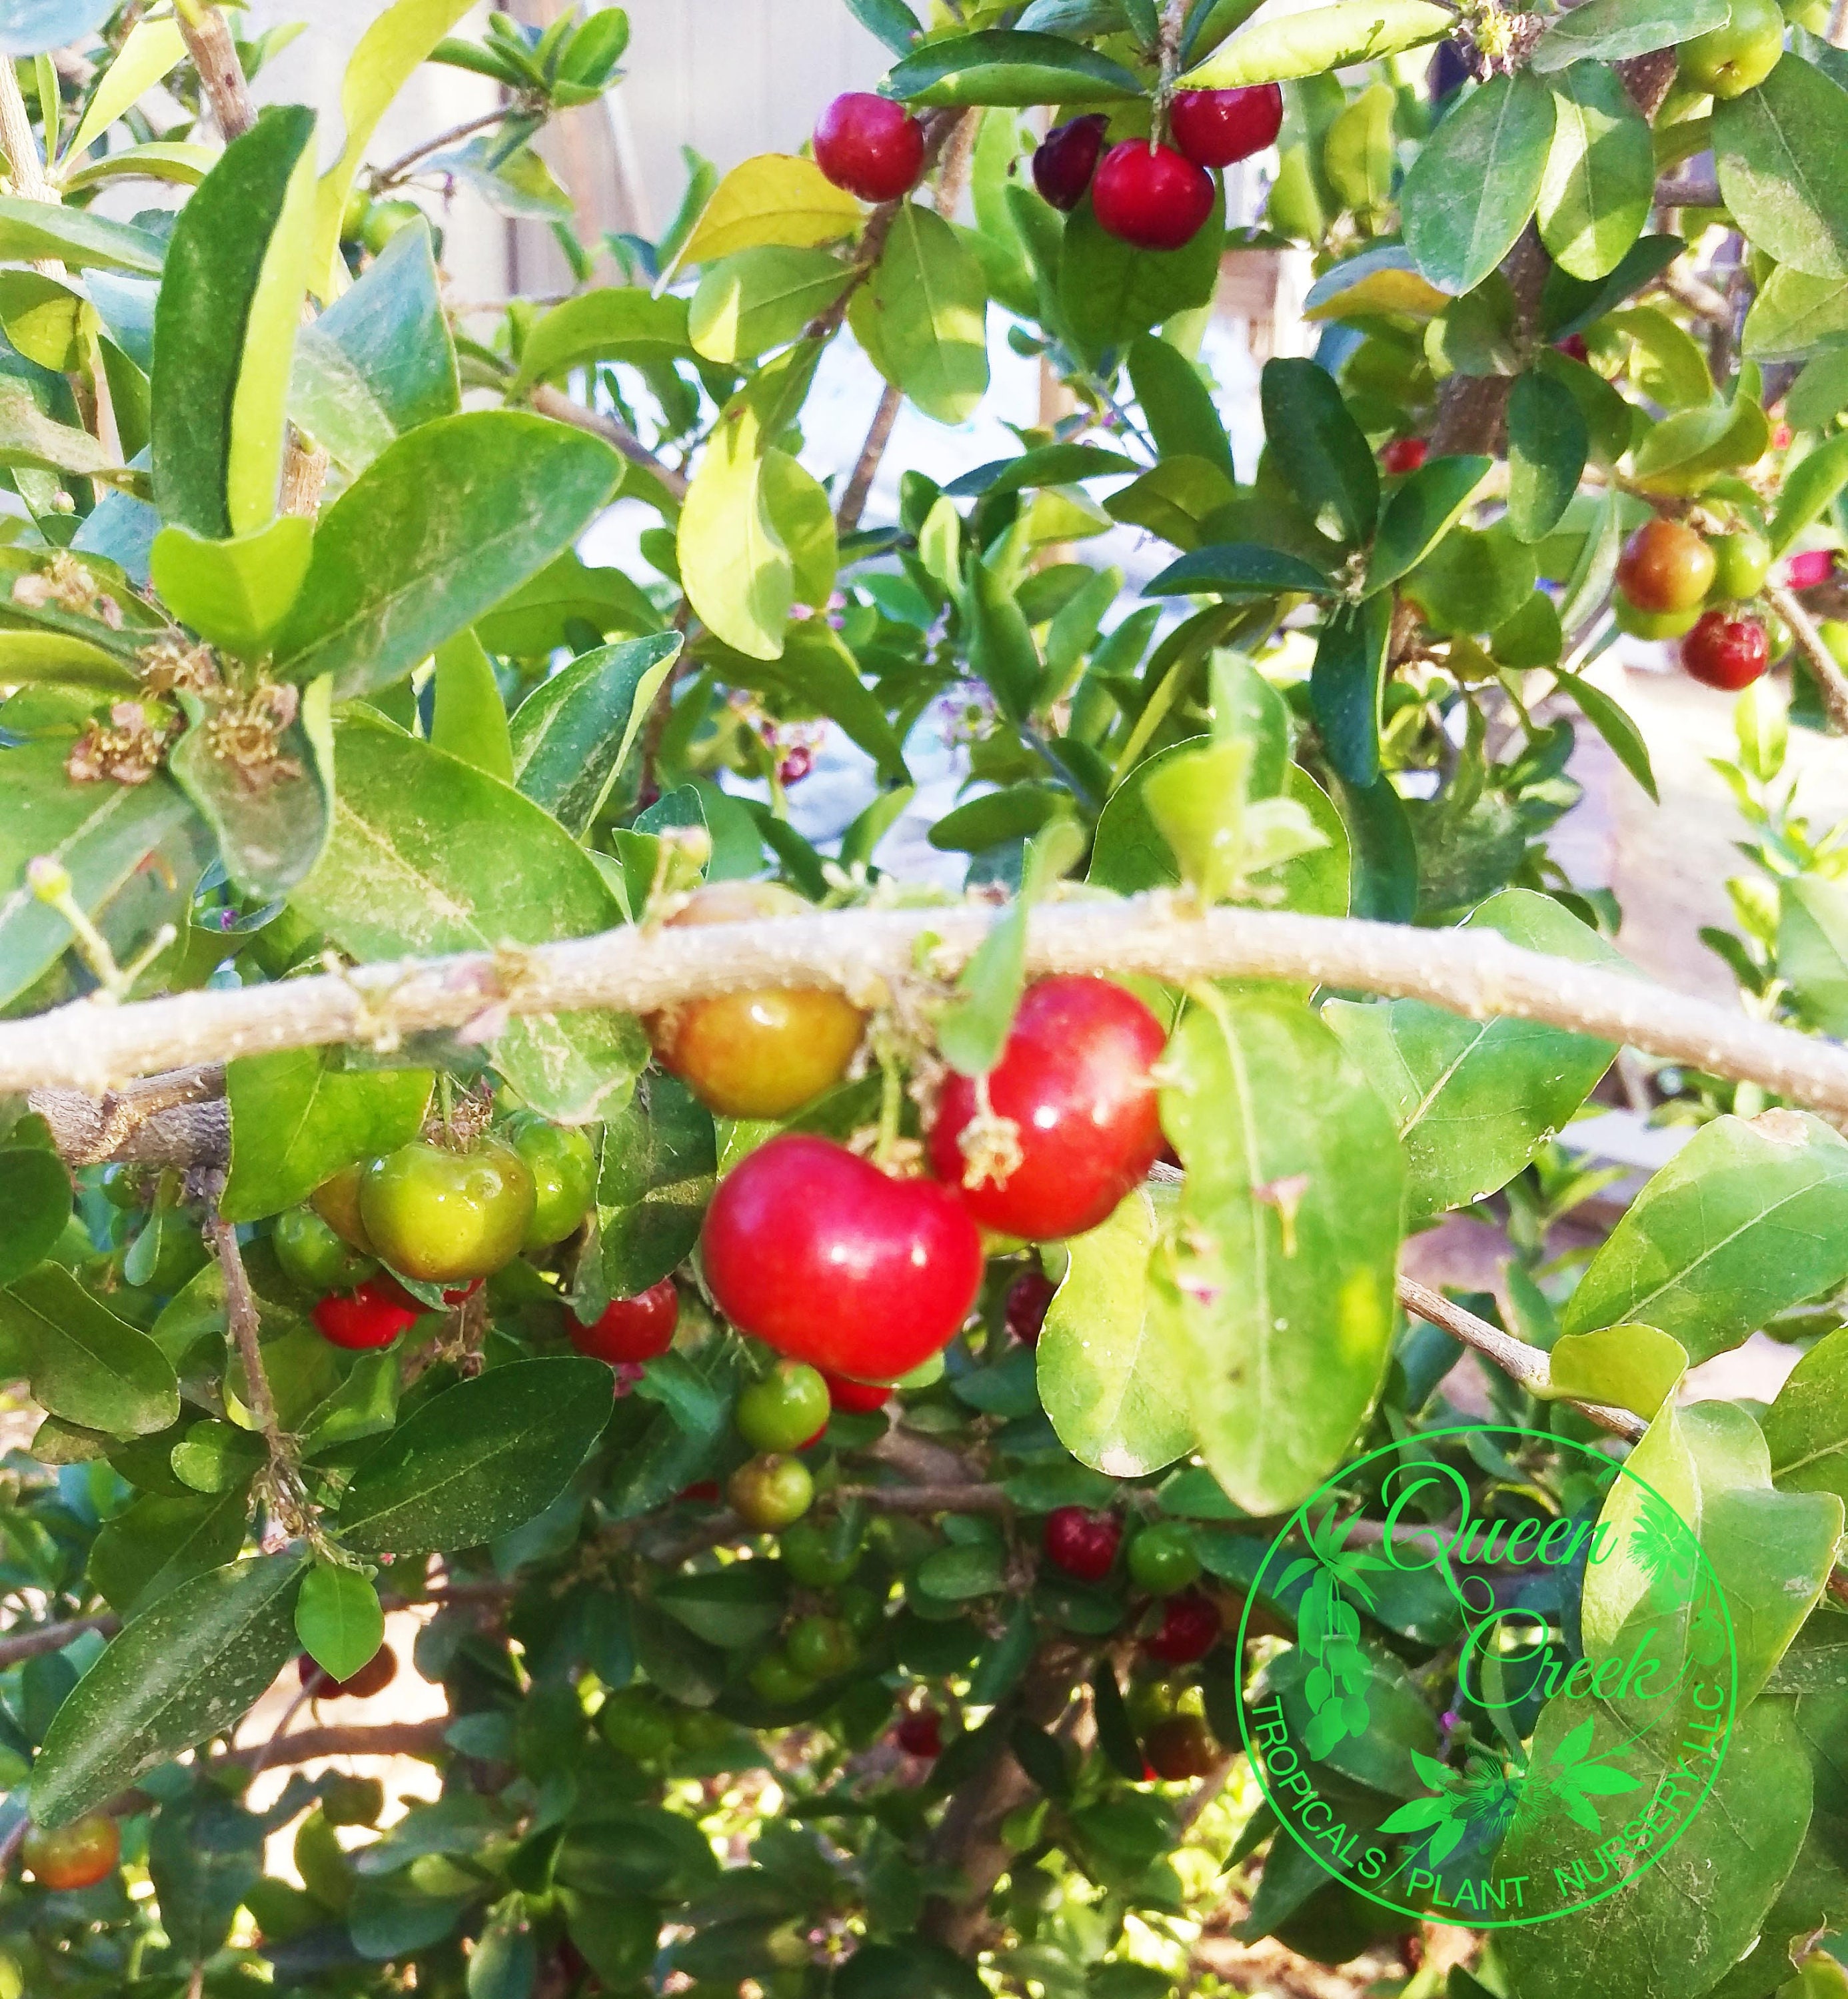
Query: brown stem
x=858 y=489
x=1472 y=409
x=388 y=1738
x=214 y=53
x=554 y=402
x=1831 y=684
x=240 y=1314
x=388 y=177
x=179 y=1119
x=972 y=1498
x=1648 y=79
x=1681 y=191
x=42 y=1638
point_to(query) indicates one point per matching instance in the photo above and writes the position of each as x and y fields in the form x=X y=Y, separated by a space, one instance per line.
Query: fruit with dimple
x=444 y=1217
x=374 y=1677
x=1162 y=1559
x=821 y=1646
x=760 y=1053
x=859 y=1398
x=1189 y=1629
x=1029 y=1297
x=336 y=1200
x=1665 y=566
x=1066 y=158
x=76 y=1856
x=1180 y=1747
x=1082 y=1543
x=314 y=1256
x=813 y=1557
x=1403 y=455
x=1726 y=652
x=785 y=1409
x=830 y=1261
x=920 y=1733
x=869 y=145
x=629 y=1329
x=372 y=1316
x=1150 y=196
x=770 y=1491
x=1216 y=127
x=1741 y=561
x=1738 y=54
x=1074 y=1080
x=563 y=1167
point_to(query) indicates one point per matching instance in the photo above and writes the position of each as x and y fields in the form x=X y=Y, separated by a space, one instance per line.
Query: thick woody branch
x=176 y=1120
x=1526 y=1365
x=866 y=952
x=1831 y=684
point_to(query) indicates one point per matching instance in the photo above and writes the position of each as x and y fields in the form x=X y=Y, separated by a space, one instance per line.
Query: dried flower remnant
x=170 y=666
x=247 y=735
x=65 y=585
x=127 y=749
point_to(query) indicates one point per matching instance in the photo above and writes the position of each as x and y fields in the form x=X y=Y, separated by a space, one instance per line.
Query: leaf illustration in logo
x=1661 y=1545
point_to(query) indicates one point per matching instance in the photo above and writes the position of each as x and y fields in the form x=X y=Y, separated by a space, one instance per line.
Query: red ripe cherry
x=1189 y=1630
x=374 y=1677
x=373 y=1315
x=1728 y=652
x=1178 y=1746
x=870 y=146
x=1066 y=158
x=1806 y=571
x=1151 y=196
x=1403 y=455
x=1574 y=348
x=74 y=1856
x=1666 y=566
x=858 y=1398
x=920 y=1733
x=637 y=1328
x=1082 y=1543
x=1216 y=127
x=830 y=1261
x=1028 y=1296
x=1074 y=1081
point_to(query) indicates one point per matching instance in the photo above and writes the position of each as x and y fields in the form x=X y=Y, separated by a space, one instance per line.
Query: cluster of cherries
x=1672 y=583
x=1153 y=194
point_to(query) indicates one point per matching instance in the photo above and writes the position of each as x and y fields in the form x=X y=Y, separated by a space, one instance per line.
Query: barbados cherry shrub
x=833 y=1419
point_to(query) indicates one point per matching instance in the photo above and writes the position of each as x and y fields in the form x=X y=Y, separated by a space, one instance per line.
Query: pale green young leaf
x=337 y=1620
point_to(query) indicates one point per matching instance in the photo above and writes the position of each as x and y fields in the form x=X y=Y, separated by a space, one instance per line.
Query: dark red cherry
x=374 y=1677
x=920 y=1733
x=1727 y=652
x=859 y=1398
x=1403 y=455
x=1074 y=1080
x=1082 y=1543
x=1216 y=127
x=1574 y=348
x=629 y=1329
x=371 y=1316
x=1151 y=196
x=1066 y=158
x=870 y=146
x=1189 y=1629
x=830 y=1261
x=1028 y=1296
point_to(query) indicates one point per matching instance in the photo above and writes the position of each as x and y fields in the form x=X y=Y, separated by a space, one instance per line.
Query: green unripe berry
x=1741 y=561
x=812 y=1558
x=785 y=1409
x=771 y=1491
x=774 y=1679
x=314 y=1256
x=822 y=1647
x=1162 y=1559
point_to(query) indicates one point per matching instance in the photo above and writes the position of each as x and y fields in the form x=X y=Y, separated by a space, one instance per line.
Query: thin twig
x=1528 y=1367
x=978 y=1497
x=554 y=402
x=1831 y=683
x=1673 y=191
x=240 y=1315
x=400 y=169
x=858 y=489
x=21 y=150
x=214 y=53
x=42 y=1638
x=388 y=1738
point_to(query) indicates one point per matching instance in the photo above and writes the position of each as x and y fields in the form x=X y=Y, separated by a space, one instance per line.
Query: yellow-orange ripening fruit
x=759 y=1053
x=336 y=1200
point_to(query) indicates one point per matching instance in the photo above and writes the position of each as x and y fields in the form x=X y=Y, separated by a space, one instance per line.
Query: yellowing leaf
x=152 y=49
x=771 y=198
x=738 y=573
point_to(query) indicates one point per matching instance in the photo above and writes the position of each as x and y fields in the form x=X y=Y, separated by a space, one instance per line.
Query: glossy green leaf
x=1633 y=1367
x=85 y=1364
x=1010 y=66
x=1420 y=514
x=1321 y=453
x=1237 y=569
x=428 y=856
x=401 y=37
x=1475 y=1099
x=1474 y=185
x=931 y=302
x=1809 y=486
x=1320 y=39
x=1606 y=31
x=224 y=330
x=443 y=525
x=660 y=1162
x=234 y=593
x=1793 y=314
x=1473 y=580
x=572 y=734
x=34 y=1196
x=1114 y=1364
x=1600 y=172
x=297 y=1118
x=470 y=720
x=101 y=833
x=151 y=49
x=622 y=324
x=1749 y=1218
x=798 y=505
x=1176 y=404
x=1782 y=154
x=1289 y=1242
x=759 y=298
x=1347 y=686
x=1001 y=647
x=1806 y=1427
x=771 y=198
x=479 y=1460
x=1548 y=441
x=190 y=1667
x=152 y=1546
x=736 y=567
x=379 y=360
x=1622 y=735
x=1683 y=452
x=78 y=236
x=60 y=658
x=337 y=1618
x=1109 y=291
